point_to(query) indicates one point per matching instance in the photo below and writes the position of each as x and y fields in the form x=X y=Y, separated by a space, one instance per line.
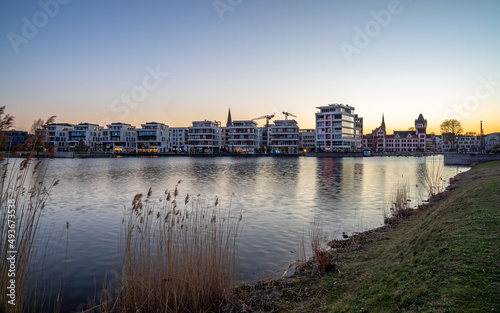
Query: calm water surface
x=278 y=198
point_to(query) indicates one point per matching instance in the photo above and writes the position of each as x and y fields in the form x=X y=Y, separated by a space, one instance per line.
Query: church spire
x=229 y=120
x=383 y=122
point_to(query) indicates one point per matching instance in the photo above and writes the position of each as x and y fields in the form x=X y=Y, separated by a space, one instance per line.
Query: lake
x=277 y=196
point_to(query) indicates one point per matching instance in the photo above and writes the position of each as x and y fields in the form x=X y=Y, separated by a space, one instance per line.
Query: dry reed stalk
x=175 y=259
x=433 y=178
x=400 y=203
x=23 y=187
x=319 y=245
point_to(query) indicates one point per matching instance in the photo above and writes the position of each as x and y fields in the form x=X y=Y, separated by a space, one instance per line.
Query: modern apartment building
x=204 y=137
x=119 y=137
x=153 y=137
x=284 y=137
x=14 y=137
x=85 y=137
x=179 y=139
x=57 y=134
x=336 y=129
x=307 y=140
x=243 y=137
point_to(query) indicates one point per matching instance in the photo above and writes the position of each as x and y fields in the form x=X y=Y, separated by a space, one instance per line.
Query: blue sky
x=179 y=61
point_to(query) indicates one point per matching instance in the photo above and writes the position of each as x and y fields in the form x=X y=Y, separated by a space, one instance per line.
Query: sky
x=179 y=61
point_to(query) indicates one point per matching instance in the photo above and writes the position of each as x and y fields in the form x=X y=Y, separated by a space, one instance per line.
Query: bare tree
x=452 y=128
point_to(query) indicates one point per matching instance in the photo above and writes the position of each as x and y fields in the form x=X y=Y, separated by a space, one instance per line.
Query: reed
x=319 y=243
x=400 y=203
x=24 y=191
x=433 y=178
x=176 y=257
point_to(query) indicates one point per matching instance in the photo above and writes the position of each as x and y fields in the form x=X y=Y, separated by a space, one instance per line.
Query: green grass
x=444 y=258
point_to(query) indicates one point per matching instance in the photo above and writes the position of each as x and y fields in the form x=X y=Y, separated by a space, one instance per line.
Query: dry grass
x=400 y=203
x=24 y=191
x=433 y=178
x=319 y=244
x=175 y=259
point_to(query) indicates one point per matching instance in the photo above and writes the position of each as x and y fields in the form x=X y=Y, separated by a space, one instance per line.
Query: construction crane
x=265 y=137
x=287 y=114
x=267 y=117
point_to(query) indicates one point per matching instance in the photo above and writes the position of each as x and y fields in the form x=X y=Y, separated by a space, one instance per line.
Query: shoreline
x=389 y=248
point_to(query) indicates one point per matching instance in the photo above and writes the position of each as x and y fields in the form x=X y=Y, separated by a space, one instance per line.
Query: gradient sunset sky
x=80 y=59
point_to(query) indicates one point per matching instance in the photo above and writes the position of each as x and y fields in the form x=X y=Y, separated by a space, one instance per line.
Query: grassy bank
x=443 y=258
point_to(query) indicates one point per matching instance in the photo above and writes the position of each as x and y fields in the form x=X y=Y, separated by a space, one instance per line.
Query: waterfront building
x=358 y=129
x=119 y=138
x=433 y=142
x=85 y=137
x=244 y=137
x=336 y=129
x=400 y=141
x=56 y=134
x=492 y=142
x=153 y=137
x=14 y=138
x=468 y=143
x=284 y=137
x=307 y=139
x=204 y=137
x=179 y=139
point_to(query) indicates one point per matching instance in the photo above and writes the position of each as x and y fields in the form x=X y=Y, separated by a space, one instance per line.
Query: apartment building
x=153 y=137
x=119 y=138
x=336 y=129
x=284 y=137
x=204 y=137
x=57 y=134
x=14 y=138
x=307 y=139
x=179 y=139
x=85 y=137
x=243 y=137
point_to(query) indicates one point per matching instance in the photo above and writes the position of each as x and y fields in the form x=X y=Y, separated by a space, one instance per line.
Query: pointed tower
x=229 y=120
x=383 y=122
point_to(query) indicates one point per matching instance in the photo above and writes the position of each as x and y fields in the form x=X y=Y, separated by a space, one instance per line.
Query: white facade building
x=57 y=134
x=336 y=129
x=179 y=139
x=492 y=142
x=119 y=137
x=307 y=140
x=468 y=143
x=284 y=137
x=85 y=134
x=204 y=137
x=243 y=137
x=153 y=137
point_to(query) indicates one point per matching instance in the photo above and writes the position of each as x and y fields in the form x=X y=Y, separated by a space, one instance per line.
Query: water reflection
x=277 y=196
